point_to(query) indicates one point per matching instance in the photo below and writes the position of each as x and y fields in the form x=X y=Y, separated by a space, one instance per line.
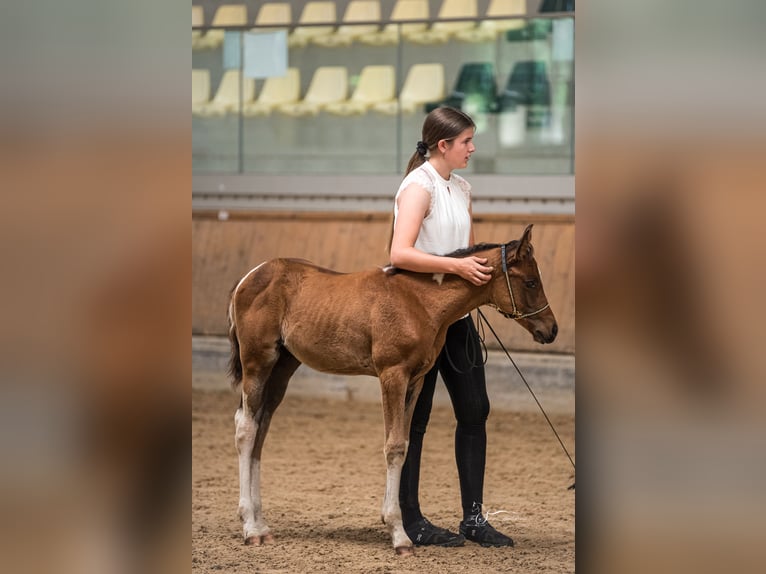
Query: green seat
x=528 y=85
x=474 y=90
x=536 y=29
x=557 y=6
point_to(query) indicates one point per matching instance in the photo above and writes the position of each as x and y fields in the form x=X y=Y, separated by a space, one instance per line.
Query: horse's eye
x=531 y=283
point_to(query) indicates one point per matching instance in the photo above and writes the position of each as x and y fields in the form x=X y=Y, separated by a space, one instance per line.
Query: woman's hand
x=473 y=269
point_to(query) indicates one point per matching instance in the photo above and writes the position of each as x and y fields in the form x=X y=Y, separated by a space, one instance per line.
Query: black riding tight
x=461 y=368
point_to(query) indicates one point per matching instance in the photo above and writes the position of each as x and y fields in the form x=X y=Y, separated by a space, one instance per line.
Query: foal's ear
x=525 y=249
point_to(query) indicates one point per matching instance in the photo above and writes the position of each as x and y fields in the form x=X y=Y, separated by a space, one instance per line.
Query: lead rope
x=469 y=353
x=542 y=410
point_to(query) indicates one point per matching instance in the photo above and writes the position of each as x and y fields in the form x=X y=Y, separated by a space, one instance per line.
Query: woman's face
x=459 y=150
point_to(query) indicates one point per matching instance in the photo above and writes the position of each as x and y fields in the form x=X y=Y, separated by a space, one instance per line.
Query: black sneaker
x=478 y=530
x=423 y=533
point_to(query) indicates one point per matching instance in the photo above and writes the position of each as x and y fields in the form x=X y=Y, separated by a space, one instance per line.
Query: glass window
x=355 y=104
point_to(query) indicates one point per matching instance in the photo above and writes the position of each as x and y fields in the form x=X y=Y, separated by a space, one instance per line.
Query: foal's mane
x=465 y=252
x=478 y=247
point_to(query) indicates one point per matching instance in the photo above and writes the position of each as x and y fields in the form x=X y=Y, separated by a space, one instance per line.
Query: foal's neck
x=453 y=298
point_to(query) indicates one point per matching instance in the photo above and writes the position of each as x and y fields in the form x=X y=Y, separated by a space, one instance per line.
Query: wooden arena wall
x=225 y=250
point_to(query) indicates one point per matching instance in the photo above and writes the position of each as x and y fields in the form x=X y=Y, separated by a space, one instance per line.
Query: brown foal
x=387 y=323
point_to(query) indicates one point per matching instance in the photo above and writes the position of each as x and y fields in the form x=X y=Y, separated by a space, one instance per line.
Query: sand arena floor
x=323 y=478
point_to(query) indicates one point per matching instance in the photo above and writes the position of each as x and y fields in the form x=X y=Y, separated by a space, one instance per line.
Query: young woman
x=432 y=217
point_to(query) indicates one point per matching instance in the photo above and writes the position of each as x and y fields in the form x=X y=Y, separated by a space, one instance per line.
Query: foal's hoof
x=259 y=540
x=405 y=551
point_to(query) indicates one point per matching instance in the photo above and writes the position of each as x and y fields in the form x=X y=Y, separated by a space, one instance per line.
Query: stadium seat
x=424 y=83
x=528 y=85
x=276 y=91
x=313 y=13
x=328 y=84
x=535 y=29
x=488 y=30
x=198 y=19
x=376 y=84
x=403 y=10
x=557 y=6
x=200 y=90
x=357 y=11
x=274 y=15
x=474 y=92
x=225 y=15
x=440 y=32
x=226 y=98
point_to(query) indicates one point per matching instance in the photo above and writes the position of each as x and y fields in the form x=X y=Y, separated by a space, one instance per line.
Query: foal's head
x=516 y=289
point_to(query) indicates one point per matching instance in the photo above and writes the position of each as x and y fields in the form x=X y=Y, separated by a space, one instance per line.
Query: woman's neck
x=441 y=168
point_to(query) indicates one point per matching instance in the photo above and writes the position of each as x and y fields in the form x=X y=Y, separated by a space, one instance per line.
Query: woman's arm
x=413 y=204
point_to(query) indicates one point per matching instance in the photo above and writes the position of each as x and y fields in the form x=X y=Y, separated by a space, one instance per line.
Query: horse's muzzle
x=544 y=338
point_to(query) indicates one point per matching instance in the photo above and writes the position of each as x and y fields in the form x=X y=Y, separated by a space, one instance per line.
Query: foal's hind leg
x=275 y=392
x=260 y=400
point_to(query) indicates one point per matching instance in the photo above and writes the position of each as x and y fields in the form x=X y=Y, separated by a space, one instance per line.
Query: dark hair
x=443 y=123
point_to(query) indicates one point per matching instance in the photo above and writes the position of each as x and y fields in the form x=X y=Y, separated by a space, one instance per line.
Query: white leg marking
x=392 y=513
x=246 y=430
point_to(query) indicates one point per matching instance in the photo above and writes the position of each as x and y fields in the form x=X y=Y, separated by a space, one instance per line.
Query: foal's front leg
x=393 y=390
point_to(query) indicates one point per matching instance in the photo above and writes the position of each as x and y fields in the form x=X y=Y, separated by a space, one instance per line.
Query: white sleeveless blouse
x=447 y=224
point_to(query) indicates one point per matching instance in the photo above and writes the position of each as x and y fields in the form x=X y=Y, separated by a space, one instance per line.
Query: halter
x=515 y=314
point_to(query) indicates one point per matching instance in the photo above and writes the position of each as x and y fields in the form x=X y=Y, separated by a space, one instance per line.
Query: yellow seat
x=274 y=15
x=403 y=10
x=357 y=11
x=276 y=90
x=198 y=19
x=440 y=32
x=424 y=83
x=328 y=84
x=487 y=30
x=200 y=90
x=225 y=15
x=313 y=13
x=377 y=84
x=226 y=98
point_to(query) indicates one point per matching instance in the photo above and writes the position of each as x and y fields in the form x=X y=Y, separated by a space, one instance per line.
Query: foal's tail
x=235 y=364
